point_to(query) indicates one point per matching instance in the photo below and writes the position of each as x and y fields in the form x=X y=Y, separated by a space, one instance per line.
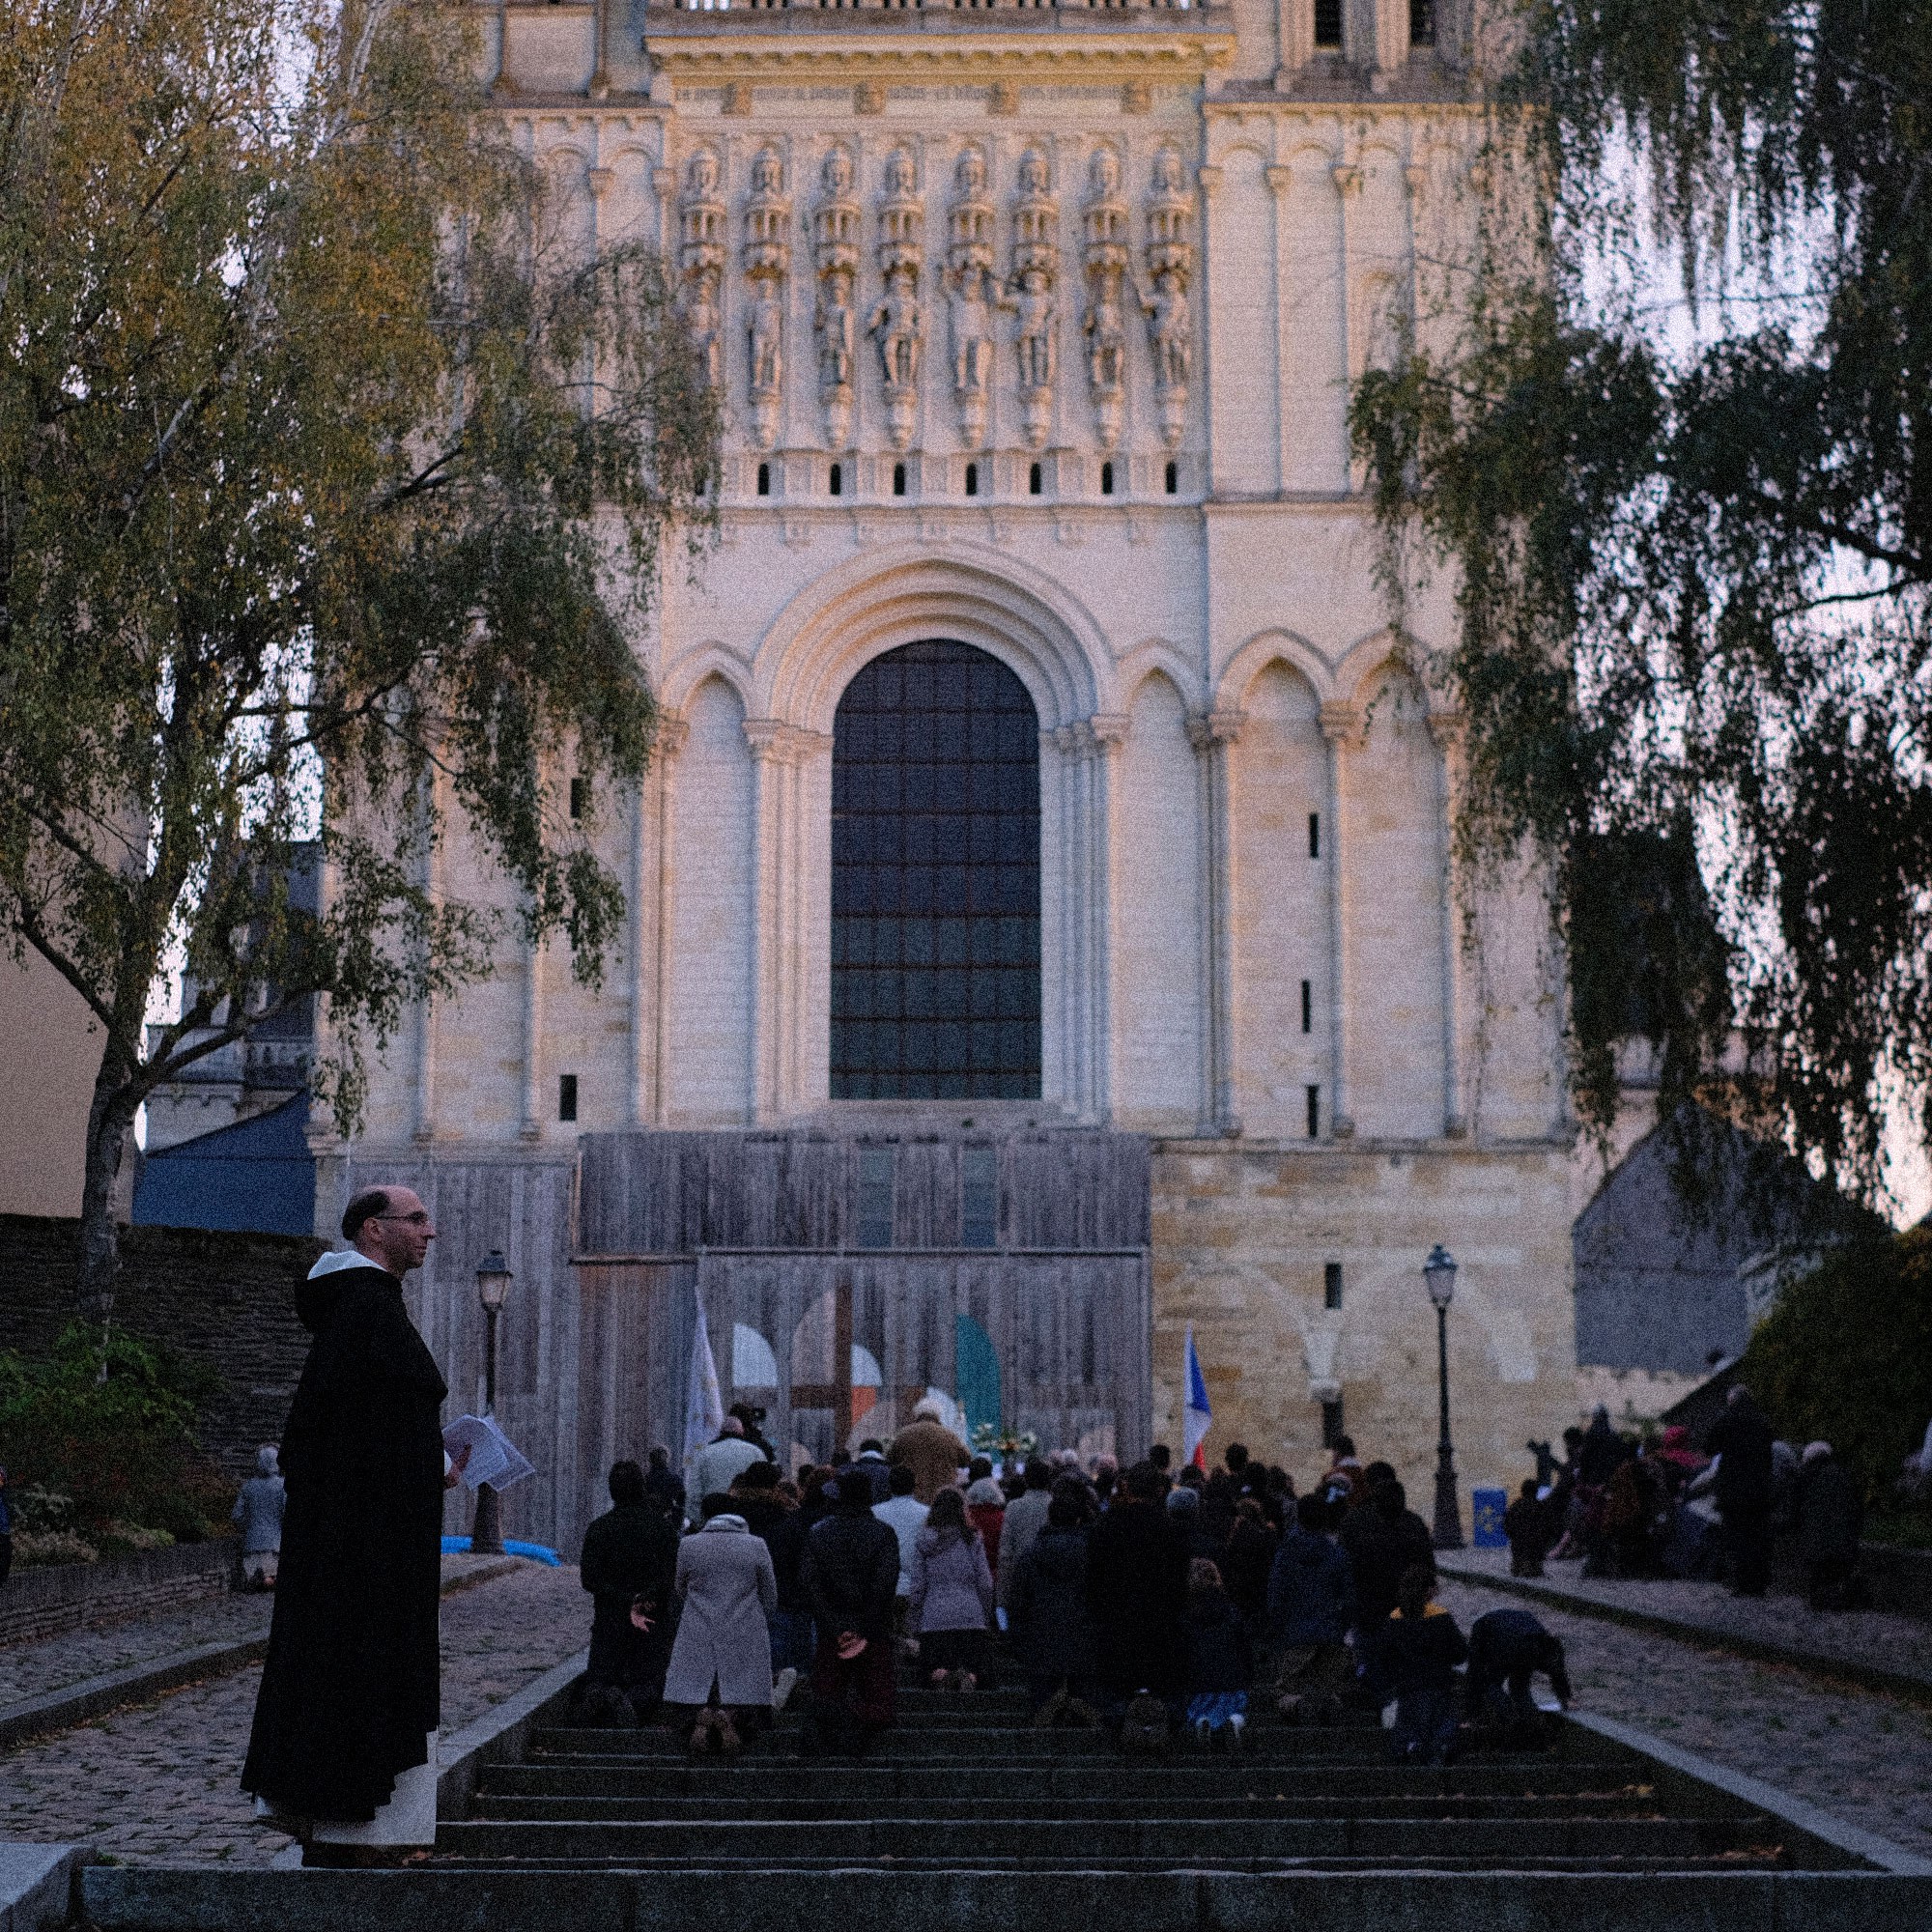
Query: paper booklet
x=493 y=1459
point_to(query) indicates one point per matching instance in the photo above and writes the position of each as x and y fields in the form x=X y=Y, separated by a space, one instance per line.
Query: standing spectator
x=1345 y=1471
x=1025 y=1519
x=755 y=1497
x=850 y=1572
x=344 y=1738
x=1423 y=1647
x=259 y=1509
x=1248 y=1559
x=1507 y=1648
x=1046 y=1609
x=951 y=1602
x=753 y=1419
x=1600 y=1452
x=1384 y=1540
x=1137 y=1592
x=630 y=1558
x=931 y=1450
x=791 y=1623
x=870 y=1464
x=719 y=1464
x=1830 y=1521
x=904 y=1515
x=1311 y=1603
x=665 y=1483
x=1220 y=1663
x=987 y=1511
x=727 y=1593
x=1530 y=1530
x=1741 y=1440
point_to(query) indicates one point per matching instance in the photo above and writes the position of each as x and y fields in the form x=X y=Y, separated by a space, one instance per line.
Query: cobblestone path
x=157 y=1783
x=1864 y=1757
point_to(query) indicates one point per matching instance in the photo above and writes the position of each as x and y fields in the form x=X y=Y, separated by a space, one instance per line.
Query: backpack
x=1145 y=1730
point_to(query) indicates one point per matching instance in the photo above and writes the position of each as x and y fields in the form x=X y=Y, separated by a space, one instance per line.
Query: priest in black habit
x=342 y=1749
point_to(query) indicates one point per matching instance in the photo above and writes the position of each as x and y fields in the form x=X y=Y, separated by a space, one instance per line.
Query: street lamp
x=493 y=1289
x=1439 y=1276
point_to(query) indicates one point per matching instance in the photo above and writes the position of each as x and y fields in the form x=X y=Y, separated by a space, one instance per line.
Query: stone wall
x=42 y=1603
x=222 y=1300
x=1241 y=1237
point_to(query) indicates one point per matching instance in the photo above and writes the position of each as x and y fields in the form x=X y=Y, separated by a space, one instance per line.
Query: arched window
x=935 y=880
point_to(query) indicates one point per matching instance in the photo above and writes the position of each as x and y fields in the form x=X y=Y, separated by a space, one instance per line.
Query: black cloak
x=350 y=1689
x=1136 y=1594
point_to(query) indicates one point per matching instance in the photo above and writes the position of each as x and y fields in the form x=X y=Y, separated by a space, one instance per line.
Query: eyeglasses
x=419 y=1219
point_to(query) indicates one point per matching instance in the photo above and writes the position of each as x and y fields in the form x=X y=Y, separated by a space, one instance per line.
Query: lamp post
x=493 y=1289
x=1439 y=1276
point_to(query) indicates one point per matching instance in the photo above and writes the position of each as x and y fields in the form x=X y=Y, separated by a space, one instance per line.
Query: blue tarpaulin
x=537 y=1552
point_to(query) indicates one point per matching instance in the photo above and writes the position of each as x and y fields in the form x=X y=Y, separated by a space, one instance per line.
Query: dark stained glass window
x=935 y=880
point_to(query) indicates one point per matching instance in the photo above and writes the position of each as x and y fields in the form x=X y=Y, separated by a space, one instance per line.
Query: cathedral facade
x=1041 y=804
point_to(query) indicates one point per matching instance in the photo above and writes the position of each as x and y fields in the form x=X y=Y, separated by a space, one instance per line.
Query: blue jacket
x=1311 y=1590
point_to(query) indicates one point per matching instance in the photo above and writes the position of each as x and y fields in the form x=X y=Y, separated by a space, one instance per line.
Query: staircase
x=967 y=1819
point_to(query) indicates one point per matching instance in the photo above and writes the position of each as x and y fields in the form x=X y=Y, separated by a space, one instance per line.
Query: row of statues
x=978 y=293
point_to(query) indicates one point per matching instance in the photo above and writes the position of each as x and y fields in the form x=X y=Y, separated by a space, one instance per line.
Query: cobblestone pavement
x=155 y=1785
x=1864 y=1758
x=1881 y=1638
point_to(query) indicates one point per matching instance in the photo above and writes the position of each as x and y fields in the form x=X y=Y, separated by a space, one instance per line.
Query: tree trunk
x=108 y=1119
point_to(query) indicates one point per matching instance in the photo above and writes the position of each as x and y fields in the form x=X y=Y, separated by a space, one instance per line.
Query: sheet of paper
x=493 y=1459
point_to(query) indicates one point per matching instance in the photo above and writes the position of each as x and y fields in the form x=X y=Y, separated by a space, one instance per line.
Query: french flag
x=1197 y=1415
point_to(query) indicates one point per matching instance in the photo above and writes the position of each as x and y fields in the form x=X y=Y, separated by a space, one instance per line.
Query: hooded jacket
x=1311 y=1592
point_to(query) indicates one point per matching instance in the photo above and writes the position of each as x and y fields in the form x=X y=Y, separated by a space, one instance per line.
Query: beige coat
x=728 y=1592
x=933 y=1453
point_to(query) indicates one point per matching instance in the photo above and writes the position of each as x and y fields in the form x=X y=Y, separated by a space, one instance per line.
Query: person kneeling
x=728 y=1592
x=1220 y=1664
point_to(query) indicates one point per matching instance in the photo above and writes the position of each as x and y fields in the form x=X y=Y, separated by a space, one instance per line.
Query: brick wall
x=222 y=1300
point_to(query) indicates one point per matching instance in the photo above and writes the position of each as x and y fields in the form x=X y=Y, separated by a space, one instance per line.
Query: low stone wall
x=42 y=1603
x=1900 y=1580
x=226 y=1300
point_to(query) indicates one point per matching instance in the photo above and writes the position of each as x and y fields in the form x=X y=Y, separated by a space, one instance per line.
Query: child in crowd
x=1220 y=1664
x=1422 y=1650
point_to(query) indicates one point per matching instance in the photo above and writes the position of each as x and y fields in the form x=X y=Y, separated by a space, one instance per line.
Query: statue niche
x=767 y=264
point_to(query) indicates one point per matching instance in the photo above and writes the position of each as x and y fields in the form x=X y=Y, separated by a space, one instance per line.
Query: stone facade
x=1033 y=327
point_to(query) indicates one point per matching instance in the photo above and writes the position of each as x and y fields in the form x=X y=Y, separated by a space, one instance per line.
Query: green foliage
x=1691 y=567
x=336 y=470
x=98 y=1457
x=1846 y=1356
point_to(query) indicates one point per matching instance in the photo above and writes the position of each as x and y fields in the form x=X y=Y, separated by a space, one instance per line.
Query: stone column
x=1342 y=728
x=1211 y=735
x=426 y=1029
x=1446 y=728
x=767 y=738
x=672 y=730
x=1070 y=913
x=1106 y=733
x=530 y=1128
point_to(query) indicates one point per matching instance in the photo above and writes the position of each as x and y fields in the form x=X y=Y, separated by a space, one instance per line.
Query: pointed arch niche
x=1281 y=916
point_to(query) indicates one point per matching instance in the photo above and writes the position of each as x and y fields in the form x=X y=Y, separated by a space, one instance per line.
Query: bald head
x=392 y=1227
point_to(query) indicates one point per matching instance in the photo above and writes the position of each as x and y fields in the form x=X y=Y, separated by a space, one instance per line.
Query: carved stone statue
x=1171 y=329
x=767 y=331
x=1106 y=334
x=835 y=327
x=970 y=301
x=898 y=326
x=835 y=244
x=1169 y=267
x=701 y=225
x=1036 y=310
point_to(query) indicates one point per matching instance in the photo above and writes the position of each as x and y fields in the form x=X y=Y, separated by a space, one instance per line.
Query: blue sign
x=1489 y=1507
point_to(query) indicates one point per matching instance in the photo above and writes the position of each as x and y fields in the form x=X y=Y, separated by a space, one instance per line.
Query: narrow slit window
x=972 y=479
x=580 y=797
x=875 y=1197
x=980 y=1197
x=1106 y=479
x=1328 y=25
x=1036 y=480
x=1308 y=1006
x=898 y=479
x=1315 y=834
x=1173 y=480
x=1422 y=23
x=838 y=483
x=1333 y=1427
x=764 y=479
x=1331 y=1284
x=1315 y=1113
x=566 y=1097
